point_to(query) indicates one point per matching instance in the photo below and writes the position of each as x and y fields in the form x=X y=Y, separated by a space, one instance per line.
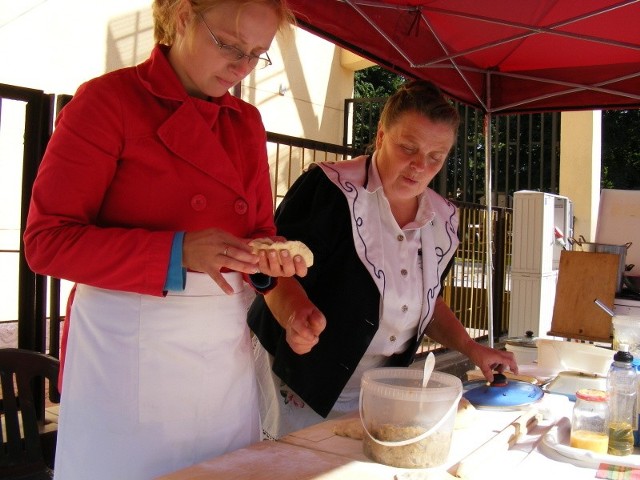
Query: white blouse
x=402 y=302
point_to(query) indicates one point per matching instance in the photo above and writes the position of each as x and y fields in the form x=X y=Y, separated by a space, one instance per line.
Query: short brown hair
x=423 y=97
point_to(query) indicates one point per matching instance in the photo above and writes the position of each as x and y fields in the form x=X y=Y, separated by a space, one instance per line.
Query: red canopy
x=501 y=56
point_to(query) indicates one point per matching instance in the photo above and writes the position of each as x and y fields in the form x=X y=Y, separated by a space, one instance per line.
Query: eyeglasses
x=234 y=54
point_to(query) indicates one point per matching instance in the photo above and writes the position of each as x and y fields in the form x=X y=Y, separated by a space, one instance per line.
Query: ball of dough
x=351 y=428
x=465 y=414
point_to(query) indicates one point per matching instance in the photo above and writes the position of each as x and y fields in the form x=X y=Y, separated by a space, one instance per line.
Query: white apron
x=153 y=384
x=282 y=411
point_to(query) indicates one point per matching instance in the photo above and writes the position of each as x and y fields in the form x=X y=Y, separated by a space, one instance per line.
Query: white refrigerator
x=542 y=223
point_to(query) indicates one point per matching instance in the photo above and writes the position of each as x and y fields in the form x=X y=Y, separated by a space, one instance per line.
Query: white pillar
x=580 y=163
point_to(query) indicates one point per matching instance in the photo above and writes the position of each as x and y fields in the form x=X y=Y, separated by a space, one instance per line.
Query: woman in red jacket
x=153 y=183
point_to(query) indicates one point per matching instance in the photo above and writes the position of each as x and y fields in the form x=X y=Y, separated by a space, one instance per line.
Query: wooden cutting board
x=270 y=460
x=317 y=453
x=322 y=437
x=583 y=277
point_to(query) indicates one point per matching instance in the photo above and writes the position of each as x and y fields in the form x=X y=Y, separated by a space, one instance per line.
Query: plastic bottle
x=636 y=432
x=622 y=387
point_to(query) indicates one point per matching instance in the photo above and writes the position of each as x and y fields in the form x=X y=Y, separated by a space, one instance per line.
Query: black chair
x=22 y=423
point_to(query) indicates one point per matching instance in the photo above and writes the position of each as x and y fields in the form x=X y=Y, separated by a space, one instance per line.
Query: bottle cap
x=623 y=355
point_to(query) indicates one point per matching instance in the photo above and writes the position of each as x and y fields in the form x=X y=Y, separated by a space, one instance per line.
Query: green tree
x=371 y=83
x=620 y=142
x=621 y=149
x=374 y=82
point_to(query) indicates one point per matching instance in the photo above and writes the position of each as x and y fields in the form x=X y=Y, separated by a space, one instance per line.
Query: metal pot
x=528 y=341
x=524 y=348
x=621 y=250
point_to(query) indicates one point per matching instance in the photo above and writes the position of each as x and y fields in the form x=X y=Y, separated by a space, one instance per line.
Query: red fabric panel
x=535 y=56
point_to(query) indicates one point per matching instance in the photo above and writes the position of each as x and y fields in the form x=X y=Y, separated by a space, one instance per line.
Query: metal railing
x=525 y=151
x=290 y=156
x=465 y=289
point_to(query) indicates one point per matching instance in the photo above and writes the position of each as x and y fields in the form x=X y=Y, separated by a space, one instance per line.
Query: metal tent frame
x=500 y=56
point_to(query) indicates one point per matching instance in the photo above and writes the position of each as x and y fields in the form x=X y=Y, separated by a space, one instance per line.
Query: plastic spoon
x=429 y=363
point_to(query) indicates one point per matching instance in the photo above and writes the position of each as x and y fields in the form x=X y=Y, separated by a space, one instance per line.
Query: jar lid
x=502 y=394
x=591 y=395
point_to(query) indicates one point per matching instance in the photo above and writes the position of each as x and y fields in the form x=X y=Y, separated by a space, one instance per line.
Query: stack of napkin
x=617 y=472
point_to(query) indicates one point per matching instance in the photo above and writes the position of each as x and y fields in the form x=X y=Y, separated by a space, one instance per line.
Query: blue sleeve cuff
x=263 y=283
x=176 y=275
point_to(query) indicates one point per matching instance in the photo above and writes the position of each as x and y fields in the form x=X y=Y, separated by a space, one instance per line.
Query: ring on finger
x=226 y=250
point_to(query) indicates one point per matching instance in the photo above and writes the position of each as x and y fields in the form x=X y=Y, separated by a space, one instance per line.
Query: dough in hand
x=294 y=247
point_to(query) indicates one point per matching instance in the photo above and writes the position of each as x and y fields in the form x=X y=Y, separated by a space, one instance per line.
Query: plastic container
x=622 y=387
x=626 y=329
x=406 y=425
x=560 y=355
x=568 y=383
x=590 y=421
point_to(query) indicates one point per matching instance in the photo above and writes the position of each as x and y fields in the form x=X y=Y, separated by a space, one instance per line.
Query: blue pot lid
x=503 y=394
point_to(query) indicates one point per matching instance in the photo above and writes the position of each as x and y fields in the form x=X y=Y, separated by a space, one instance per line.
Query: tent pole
x=489 y=223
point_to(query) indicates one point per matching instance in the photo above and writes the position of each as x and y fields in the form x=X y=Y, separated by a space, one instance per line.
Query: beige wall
x=302 y=94
x=55 y=45
x=580 y=162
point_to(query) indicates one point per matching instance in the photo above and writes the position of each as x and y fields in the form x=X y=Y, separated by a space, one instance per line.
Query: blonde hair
x=164 y=14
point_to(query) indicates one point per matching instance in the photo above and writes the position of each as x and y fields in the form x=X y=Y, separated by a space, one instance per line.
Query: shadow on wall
x=129 y=39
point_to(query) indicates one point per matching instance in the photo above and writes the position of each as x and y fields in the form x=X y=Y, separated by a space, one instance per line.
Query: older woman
x=383 y=241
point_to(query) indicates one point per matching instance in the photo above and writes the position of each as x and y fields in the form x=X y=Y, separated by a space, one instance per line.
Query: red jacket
x=134 y=159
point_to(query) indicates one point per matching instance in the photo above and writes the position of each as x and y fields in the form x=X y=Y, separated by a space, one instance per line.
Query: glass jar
x=589 y=421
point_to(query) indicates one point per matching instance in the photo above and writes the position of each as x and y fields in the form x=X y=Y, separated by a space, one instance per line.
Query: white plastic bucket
x=406 y=425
